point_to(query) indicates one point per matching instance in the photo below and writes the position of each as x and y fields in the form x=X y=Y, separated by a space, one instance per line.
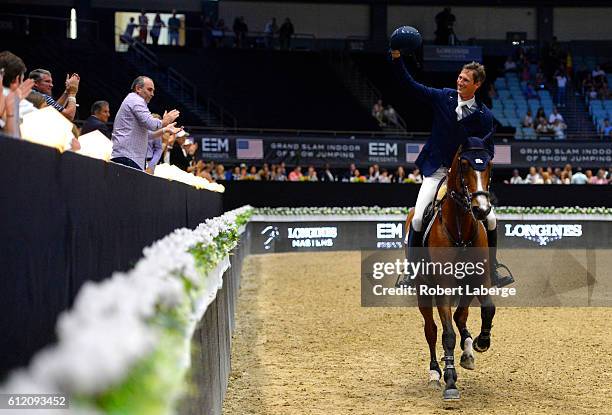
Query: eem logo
x=389 y=235
x=380 y=149
x=543 y=234
x=389 y=230
x=322 y=237
x=215 y=145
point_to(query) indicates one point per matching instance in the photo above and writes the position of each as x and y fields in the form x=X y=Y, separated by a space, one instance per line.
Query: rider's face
x=466 y=87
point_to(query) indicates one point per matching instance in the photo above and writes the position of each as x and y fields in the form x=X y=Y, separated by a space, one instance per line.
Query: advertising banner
x=272 y=237
x=337 y=152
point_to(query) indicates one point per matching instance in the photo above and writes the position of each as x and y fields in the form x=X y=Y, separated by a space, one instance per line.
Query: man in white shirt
x=579 y=177
x=554 y=116
x=516 y=177
x=561 y=83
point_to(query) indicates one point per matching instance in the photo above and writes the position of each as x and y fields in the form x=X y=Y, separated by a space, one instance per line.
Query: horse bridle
x=464 y=199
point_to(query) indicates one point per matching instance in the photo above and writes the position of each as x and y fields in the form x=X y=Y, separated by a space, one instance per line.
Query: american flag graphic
x=503 y=154
x=249 y=149
x=412 y=152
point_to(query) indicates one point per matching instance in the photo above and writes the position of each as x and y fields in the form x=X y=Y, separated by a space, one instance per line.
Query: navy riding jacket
x=447 y=134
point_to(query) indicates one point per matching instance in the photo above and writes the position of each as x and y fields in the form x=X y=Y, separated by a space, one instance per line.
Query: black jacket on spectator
x=326 y=176
x=92 y=124
x=178 y=159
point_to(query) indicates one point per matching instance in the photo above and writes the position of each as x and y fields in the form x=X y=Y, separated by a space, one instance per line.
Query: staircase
x=180 y=88
x=576 y=115
x=359 y=85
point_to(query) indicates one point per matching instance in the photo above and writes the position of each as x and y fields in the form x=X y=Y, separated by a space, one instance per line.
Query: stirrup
x=404 y=281
x=497 y=279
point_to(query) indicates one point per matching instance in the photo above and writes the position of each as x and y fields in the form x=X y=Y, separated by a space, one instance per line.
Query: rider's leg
x=426 y=195
x=496 y=279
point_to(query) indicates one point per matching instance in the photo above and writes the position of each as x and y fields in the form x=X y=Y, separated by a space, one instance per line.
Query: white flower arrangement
x=376 y=210
x=120 y=325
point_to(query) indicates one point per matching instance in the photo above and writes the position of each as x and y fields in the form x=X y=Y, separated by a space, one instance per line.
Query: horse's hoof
x=481 y=346
x=435 y=385
x=467 y=362
x=451 y=395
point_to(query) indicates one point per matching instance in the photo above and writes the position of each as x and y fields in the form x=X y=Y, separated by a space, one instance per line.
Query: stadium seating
x=511 y=105
x=600 y=110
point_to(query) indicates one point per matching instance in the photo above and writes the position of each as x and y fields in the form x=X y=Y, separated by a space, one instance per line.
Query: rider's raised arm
x=419 y=91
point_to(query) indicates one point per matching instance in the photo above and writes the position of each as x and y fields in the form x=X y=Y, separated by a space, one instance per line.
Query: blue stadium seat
x=514 y=122
x=510 y=113
x=600 y=113
x=518 y=134
x=529 y=133
x=543 y=93
x=500 y=83
x=595 y=104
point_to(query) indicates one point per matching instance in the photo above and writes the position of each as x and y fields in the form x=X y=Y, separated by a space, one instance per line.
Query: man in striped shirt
x=134 y=123
x=66 y=104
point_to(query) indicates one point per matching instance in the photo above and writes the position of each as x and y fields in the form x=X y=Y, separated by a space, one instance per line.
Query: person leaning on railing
x=133 y=123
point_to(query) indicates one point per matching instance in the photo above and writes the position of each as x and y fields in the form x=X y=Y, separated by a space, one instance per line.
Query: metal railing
x=226 y=38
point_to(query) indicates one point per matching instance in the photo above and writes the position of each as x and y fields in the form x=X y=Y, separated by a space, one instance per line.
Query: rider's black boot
x=496 y=278
x=415 y=240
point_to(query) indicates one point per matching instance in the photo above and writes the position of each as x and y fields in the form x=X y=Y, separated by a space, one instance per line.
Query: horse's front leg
x=460 y=316
x=482 y=342
x=451 y=393
x=431 y=334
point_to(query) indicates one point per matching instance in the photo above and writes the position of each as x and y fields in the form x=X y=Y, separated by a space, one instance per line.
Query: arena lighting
x=72 y=28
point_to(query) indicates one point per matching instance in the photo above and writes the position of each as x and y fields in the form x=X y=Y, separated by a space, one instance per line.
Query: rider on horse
x=457 y=115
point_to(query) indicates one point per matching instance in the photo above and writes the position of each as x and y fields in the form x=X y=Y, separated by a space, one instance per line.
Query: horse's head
x=470 y=175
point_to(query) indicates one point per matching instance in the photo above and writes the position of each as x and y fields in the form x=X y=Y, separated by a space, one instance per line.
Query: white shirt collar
x=469 y=103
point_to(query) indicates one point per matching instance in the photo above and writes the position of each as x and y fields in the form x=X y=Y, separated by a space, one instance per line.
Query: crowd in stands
x=273 y=36
x=22 y=96
x=214 y=31
x=279 y=172
x=154 y=29
x=567 y=175
x=163 y=141
x=553 y=124
x=524 y=90
x=595 y=84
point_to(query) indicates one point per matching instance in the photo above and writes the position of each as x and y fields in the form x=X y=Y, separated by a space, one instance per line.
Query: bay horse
x=457 y=224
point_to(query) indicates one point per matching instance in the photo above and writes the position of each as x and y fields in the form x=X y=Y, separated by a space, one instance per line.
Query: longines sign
x=543 y=234
x=389 y=235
